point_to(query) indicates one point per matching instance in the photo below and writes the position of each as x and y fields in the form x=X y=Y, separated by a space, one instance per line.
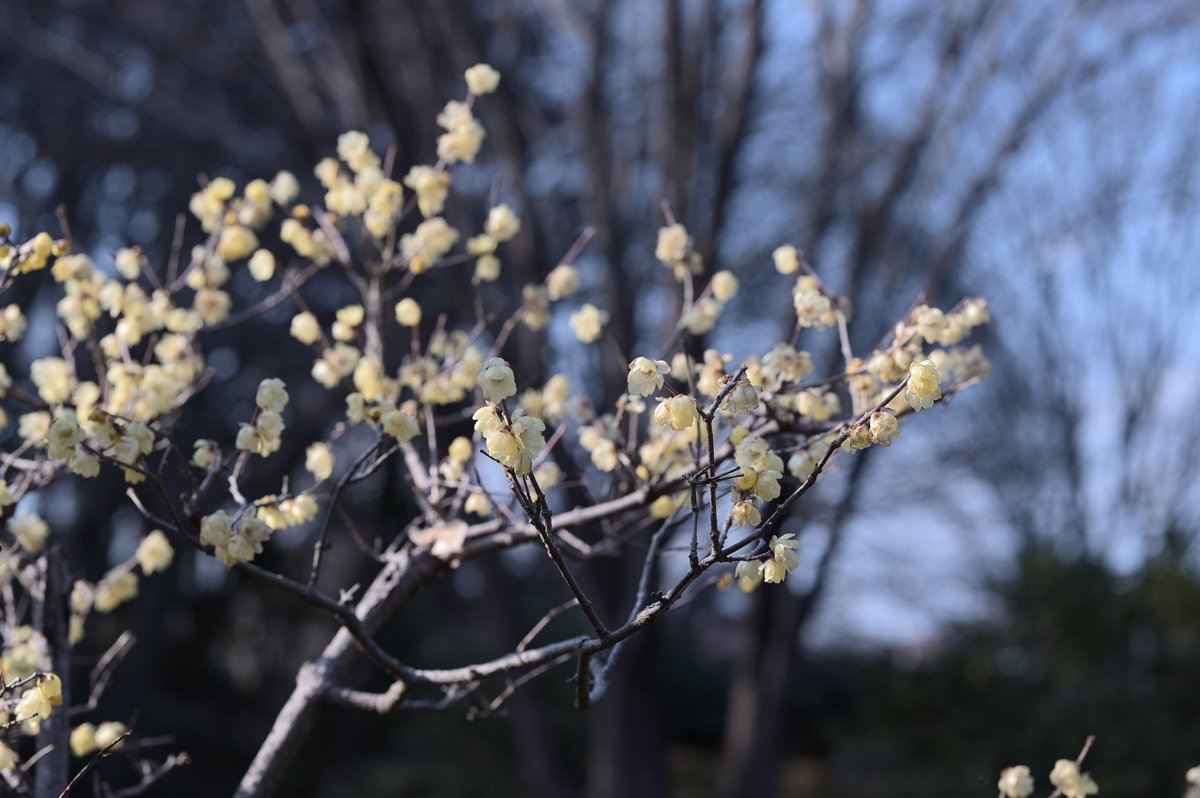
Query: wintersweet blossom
x=587 y=322
x=502 y=224
x=271 y=395
x=431 y=187
x=305 y=328
x=1016 y=782
x=749 y=575
x=463 y=137
x=400 y=425
x=154 y=553
x=646 y=375
x=884 y=427
x=784 y=558
x=108 y=733
x=482 y=79
x=857 y=439
x=478 y=504
x=724 y=285
x=117 y=587
x=745 y=513
x=83 y=739
x=562 y=281
x=787 y=259
x=743 y=399
x=318 y=459
x=923 y=385
x=813 y=307
x=496 y=380
x=460 y=449
x=408 y=312
x=1067 y=777
x=677 y=412
x=673 y=244
x=514 y=446
x=30 y=530
x=262 y=265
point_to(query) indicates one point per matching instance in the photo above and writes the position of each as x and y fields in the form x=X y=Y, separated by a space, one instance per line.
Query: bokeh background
x=1018 y=572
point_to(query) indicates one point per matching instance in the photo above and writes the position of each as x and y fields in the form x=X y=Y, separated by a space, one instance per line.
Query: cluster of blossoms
x=743 y=435
x=512 y=440
x=264 y=436
x=32 y=692
x=784 y=558
x=1068 y=780
x=234 y=540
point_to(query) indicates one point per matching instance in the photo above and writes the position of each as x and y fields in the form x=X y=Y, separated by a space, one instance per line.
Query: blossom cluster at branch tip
x=773 y=570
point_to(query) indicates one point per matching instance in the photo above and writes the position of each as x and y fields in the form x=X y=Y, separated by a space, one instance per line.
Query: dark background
x=1018 y=572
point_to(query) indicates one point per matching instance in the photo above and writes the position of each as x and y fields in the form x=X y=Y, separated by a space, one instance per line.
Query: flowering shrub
x=711 y=449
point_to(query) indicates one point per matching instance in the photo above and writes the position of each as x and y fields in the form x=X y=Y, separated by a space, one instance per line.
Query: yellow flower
x=724 y=285
x=83 y=739
x=431 y=186
x=562 y=281
x=478 y=504
x=646 y=375
x=271 y=395
x=487 y=268
x=205 y=454
x=460 y=449
x=743 y=399
x=1016 y=782
x=408 y=312
x=118 y=586
x=32 y=706
x=400 y=425
x=673 y=244
x=801 y=464
x=108 y=733
x=783 y=558
x=236 y=242
x=604 y=455
x=482 y=79
x=335 y=364
x=787 y=259
x=748 y=574
x=1073 y=784
x=496 y=381
x=813 y=308
x=211 y=304
x=463 y=137
x=54 y=378
x=215 y=529
x=30 y=531
x=587 y=322
x=502 y=224
x=923 y=385
x=128 y=263
x=745 y=513
x=262 y=265
x=49 y=686
x=677 y=412
x=318 y=459
x=154 y=553
x=284 y=188
x=884 y=427
x=305 y=328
